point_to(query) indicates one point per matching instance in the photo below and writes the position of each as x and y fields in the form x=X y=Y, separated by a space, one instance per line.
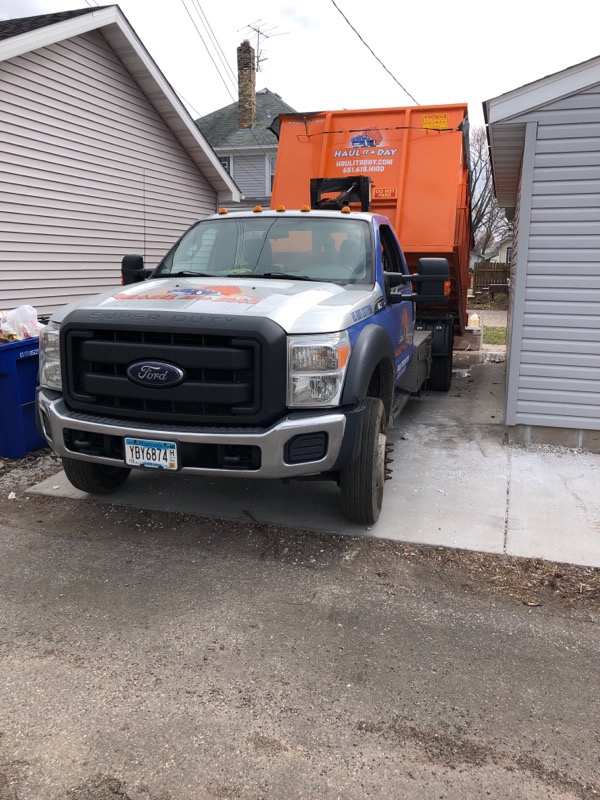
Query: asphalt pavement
x=160 y=656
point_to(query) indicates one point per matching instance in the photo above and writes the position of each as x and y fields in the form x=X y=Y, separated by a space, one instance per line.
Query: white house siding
x=88 y=172
x=559 y=369
x=250 y=174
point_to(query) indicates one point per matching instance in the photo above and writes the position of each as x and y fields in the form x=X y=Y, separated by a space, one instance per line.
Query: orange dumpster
x=417 y=162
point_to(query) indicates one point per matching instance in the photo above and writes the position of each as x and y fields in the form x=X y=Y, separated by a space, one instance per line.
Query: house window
x=509 y=255
x=272 y=162
x=226 y=161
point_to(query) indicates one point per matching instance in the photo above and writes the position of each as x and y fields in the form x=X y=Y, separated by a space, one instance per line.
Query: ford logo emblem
x=155 y=373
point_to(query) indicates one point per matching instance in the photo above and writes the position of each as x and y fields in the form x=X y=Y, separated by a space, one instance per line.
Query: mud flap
x=442 y=331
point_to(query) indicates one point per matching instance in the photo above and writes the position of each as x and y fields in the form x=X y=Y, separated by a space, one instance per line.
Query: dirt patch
x=99 y=788
x=453 y=750
x=10 y=775
x=19 y=474
x=533 y=582
x=485 y=302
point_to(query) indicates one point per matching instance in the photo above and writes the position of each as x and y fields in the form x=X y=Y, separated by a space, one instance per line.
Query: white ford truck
x=267 y=344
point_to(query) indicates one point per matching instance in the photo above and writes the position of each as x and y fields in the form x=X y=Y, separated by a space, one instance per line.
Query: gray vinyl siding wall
x=559 y=360
x=88 y=172
x=250 y=174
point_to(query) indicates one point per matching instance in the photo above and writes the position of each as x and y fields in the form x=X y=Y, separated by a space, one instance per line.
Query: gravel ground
x=165 y=656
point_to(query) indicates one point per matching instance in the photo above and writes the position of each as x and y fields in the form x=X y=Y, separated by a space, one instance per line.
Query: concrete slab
x=554 y=505
x=455 y=483
x=420 y=503
x=447 y=491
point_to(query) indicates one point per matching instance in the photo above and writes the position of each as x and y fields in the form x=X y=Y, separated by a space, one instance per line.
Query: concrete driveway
x=454 y=483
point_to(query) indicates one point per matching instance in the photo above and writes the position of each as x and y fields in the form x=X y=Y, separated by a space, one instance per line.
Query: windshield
x=299 y=248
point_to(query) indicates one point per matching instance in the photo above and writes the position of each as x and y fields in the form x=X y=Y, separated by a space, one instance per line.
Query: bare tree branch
x=489 y=222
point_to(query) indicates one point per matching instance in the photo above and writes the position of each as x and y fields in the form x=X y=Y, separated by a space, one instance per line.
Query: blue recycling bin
x=18 y=380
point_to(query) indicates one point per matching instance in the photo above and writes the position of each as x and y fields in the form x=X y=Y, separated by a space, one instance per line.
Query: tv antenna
x=259 y=30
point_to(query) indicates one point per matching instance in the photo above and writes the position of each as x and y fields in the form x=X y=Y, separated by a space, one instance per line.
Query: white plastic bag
x=20 y=323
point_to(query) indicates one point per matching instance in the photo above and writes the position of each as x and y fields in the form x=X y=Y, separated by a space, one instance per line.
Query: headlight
x=316 y=369
x=49 y=374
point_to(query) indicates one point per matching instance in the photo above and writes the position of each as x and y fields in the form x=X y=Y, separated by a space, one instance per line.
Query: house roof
x=506 y=123
x=19 y=36
x=13 y=27
x=222 y=130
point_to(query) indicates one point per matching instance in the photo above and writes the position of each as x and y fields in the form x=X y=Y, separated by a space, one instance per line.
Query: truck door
x=400 y=316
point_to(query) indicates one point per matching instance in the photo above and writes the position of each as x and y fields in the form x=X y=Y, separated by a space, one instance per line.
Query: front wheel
x=94 y=478
x=361 y=482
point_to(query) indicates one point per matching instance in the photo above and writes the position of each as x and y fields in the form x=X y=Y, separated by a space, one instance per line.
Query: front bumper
x=301 y=443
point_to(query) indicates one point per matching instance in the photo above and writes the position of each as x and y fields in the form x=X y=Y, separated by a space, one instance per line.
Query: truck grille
x=225 y=374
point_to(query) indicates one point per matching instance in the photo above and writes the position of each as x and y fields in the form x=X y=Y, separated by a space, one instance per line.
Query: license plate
x=150 y=453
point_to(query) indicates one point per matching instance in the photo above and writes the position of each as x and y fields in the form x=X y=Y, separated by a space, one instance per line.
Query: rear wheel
x=94 y=478
x=362 y=482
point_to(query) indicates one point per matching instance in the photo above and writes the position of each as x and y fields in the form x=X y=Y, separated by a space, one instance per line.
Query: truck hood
x=297 y=306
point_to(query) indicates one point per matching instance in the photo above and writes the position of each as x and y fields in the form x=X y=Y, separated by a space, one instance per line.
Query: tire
x=440 y=377
x=94 y=478
x=362 y=482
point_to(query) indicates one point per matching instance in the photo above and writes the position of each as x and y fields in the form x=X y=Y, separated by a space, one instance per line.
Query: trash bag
x=20 y=323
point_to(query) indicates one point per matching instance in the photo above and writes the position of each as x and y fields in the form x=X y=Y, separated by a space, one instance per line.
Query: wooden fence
x=490 y=274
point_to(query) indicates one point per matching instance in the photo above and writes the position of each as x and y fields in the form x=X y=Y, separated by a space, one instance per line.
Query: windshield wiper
x=185 y=273
x=282 y=275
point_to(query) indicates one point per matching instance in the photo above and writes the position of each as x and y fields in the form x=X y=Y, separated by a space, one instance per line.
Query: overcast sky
x=440 y=52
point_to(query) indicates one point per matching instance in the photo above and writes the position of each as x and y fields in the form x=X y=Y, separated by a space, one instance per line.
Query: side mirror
x=132 y=269
x=433 y=279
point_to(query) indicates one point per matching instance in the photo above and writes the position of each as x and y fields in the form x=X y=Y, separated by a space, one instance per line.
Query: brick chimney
x=246 y=85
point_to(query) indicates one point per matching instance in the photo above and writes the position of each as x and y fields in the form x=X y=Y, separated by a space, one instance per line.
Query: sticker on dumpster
x=28 y=353
x=437 y=122
x=385 y=194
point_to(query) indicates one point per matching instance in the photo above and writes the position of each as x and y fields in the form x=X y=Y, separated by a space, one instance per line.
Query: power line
x=215 y=42
x=232 y=147
x=374 y=54
x=208 y=51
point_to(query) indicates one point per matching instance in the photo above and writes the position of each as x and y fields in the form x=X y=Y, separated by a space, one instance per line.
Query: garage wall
x=89 y=171
x=558 y=370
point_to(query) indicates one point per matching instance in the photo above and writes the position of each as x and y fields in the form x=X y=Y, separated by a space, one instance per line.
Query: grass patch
x=494 y=335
